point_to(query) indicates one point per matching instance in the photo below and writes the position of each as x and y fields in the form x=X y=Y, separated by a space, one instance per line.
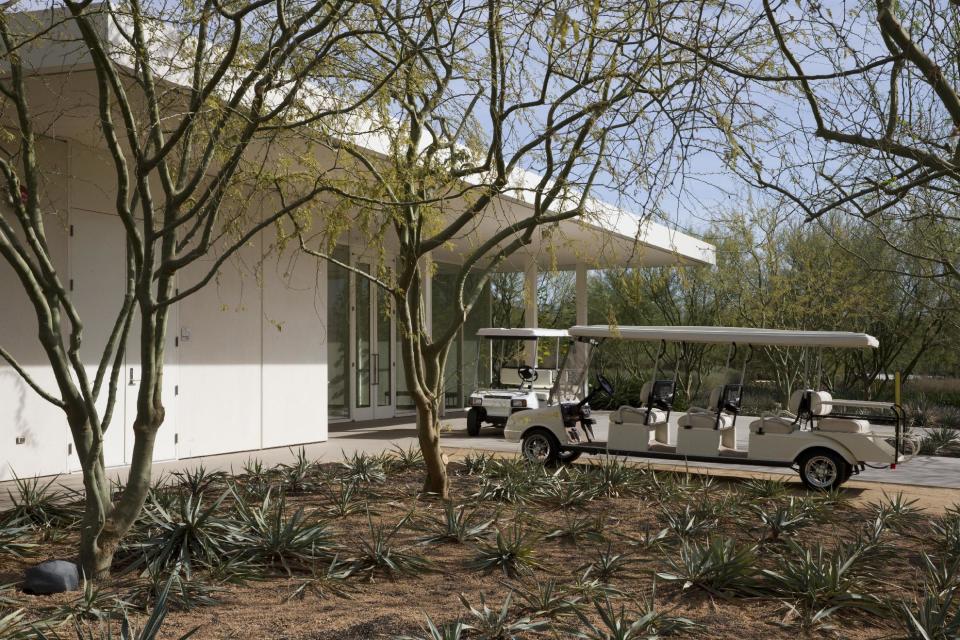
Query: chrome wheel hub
x=821 y=472
x=536 y=448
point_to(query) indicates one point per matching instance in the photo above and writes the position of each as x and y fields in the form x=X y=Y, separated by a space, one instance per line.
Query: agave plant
x=343 y=499
x=941 y=574
x=546 y=598
x=511 y=481
x=35 y=504
x=576 y=530
x=607 y=565
x=689 y=523
x=475 y=464
x=764 y=488
x=513 y=553
x=562 y=493
x=267 y=535
x=400 y=459
x=297 y=476
x=818 y=583
x=181 y=536
x=898 y=512
x=362 y=467
x=944 y=532
x=197 y=481
x=719 y=566
x=783 y=519
x=182 y=593
x=433 y=631
x=323 y=582
x=14 y=625
x=458 y=524
x=12 y=542
x=935 y=616
x=93 y=603
x=498 y=623
x=150 y=630
x=381 y=555
x=940 y=442
x=619 y=624
x=612 y=477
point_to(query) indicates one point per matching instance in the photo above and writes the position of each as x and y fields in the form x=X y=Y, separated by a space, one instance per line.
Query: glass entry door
x=372 y=355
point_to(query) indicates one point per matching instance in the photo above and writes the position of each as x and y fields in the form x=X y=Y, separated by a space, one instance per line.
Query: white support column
x=582 y=315
x=530 y=315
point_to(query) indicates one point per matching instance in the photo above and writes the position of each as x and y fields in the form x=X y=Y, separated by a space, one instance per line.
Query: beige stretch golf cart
x=515 y=385
x=816 y=436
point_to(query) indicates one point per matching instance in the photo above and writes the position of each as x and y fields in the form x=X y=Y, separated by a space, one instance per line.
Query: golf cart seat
x=694 y=437
x=782 y=423
x=634 y=415
x=821 y=406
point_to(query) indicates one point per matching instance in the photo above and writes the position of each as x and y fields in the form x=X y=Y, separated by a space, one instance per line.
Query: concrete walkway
x=378 y=436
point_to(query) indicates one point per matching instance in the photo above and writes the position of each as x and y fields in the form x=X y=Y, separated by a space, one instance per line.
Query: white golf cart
x=816 y=437
x=516 y=385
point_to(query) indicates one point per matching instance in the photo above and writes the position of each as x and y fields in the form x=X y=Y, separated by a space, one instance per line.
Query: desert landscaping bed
x=601 y=549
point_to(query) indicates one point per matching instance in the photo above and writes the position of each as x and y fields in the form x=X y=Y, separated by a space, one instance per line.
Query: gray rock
x=52 y=576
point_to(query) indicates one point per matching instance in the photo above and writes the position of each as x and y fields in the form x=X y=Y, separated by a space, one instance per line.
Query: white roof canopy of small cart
x=729 y=335
x=522 y=333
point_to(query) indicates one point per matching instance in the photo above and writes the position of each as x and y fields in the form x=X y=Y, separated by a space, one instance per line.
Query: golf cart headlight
x=476 y=401
x=519 y=403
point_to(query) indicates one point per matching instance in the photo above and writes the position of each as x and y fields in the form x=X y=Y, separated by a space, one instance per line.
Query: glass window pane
x=363 y=345
x=384 y=346
x=338 y=335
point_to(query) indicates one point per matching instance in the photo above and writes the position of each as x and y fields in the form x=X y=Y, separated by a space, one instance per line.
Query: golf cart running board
x=600 y=448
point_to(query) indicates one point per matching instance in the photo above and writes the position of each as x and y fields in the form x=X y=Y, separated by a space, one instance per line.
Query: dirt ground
x=385 y=606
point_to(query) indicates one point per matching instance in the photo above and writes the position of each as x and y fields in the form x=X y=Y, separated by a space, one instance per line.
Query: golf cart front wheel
x=474 y=422
x=540 y=446
x=823 y=470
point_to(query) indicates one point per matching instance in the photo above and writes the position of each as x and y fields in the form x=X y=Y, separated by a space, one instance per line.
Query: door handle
x=376 y=368
x=131 y=377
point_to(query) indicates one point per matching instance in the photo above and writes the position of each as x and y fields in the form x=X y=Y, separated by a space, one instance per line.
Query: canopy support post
x=530 y=314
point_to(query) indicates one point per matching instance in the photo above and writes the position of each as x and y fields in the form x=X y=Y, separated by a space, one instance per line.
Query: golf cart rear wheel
x=540 y=446
x=823 y=470
x=474 y=421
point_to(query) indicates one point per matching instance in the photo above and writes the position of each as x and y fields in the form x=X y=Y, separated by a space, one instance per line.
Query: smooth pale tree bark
x=586 y=96
x=201 y=131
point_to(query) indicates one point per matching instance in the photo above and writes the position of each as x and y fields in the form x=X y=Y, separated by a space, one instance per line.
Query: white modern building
x=255 y=360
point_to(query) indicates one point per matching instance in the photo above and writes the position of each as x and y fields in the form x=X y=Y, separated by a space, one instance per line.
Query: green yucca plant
x=818 y=583
x=362 y=467
x=182 y=593
x=620 y=624
x=547 y=598
x=476 y=463
x=719 y=566
x=764 y=488
x=498 y=623
x=298 y=476
x=513 y=553
x=607 y=565
x=183 y=535
x=267 y=535
x=400 y=459
x=933 y=616
x=13 y=542
x=783 y=519
x=432 y=631
x=612 y=477
x=326 y=581
x=576 y=530
x=691 y=522
x=380 y=554
x=36 y=504
x=457 y=524
x=344 y=499
x=197 y=481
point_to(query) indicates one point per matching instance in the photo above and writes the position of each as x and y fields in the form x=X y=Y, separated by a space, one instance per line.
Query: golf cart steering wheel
x=604 y=384
x=528 y=373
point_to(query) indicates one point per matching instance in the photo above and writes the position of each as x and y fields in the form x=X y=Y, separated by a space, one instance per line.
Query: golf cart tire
x=540 y=446
x=474 y=421
x=823 y=469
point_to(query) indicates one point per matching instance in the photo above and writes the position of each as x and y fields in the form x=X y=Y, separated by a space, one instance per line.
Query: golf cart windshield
x=509 y=355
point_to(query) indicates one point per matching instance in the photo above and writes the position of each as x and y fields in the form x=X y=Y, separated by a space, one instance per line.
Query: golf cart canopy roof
x=522 y=333
x=729 y=335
